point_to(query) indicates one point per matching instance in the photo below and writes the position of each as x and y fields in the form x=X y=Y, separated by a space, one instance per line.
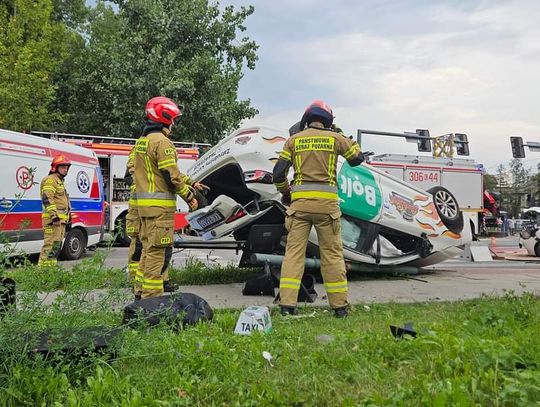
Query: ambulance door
x=120 y=197
x=105 y=165
x=23 y=167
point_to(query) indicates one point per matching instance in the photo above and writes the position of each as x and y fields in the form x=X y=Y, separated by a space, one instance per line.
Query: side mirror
x=423 y=145
x=462 y=144
x=518 y=150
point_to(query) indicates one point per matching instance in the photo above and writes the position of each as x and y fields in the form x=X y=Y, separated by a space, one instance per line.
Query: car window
x=358 y=235
x=403 y=242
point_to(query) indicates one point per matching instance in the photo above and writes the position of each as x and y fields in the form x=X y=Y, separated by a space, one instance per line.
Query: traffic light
x=518 y=150
x=462 y=144
x=423 y=145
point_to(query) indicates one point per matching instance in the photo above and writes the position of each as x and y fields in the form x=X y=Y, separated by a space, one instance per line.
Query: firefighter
x=313 y=200
x=157 y=181
x=56 y=210
x=133 y=225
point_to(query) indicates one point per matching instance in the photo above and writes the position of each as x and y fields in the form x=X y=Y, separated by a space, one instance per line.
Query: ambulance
x=25 y=160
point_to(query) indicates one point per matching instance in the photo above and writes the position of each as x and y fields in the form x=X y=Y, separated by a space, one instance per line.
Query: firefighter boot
x=341 y=312
x=288 y=310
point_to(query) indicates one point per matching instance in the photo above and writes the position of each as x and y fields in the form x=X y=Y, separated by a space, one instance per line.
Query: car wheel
x=537 y=249
x=74 y=244
x=120 y=231
x=447 y=208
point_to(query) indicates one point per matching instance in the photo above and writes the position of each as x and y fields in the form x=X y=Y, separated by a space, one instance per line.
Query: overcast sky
x=448 y=66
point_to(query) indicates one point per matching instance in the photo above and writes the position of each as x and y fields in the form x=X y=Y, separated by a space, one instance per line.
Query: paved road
x=451 y=280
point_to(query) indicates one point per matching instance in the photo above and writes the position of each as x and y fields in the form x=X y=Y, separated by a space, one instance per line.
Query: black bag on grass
x=176 y=309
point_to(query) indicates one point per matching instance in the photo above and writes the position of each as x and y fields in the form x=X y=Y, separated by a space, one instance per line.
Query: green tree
x=73 y=13
x=534 y=197
x=519 y=178
x=188 y=50
x=502 y=186
x=32 y=47
x=490 y=182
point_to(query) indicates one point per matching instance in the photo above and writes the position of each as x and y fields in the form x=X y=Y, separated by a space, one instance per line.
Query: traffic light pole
x=443 y=146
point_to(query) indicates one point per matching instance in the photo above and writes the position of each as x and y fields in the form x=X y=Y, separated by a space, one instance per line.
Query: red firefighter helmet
x=318 y=110
x=59 y=159
x=163 y=110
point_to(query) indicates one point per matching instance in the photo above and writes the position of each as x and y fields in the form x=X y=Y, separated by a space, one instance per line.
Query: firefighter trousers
x=53 y=235
x=156 y=234
x=328 y=228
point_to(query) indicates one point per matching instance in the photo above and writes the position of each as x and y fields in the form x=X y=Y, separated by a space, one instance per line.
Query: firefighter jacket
x=313 y=153
x=157 y=177
x=54 y=199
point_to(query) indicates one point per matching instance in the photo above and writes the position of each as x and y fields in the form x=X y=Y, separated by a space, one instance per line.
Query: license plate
x=209 y=219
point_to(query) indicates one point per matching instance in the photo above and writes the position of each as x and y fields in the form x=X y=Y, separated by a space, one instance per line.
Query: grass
x=468 y=353
x=481 y=352
x=89 y=274
x=195 y=272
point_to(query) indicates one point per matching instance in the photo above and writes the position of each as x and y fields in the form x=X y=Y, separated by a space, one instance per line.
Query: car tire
x=447 y=208
x=74 y=245
x=120 y=231
x=537 y=249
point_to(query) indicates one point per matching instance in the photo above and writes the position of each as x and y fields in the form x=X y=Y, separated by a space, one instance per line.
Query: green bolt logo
x=359 y=193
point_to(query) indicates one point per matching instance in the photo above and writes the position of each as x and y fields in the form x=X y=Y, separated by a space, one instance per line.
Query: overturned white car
x=529 y=237
x=385 y=220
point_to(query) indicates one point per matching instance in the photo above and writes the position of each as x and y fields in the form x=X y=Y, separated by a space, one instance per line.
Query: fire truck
x=112 y=153
x=463 y=177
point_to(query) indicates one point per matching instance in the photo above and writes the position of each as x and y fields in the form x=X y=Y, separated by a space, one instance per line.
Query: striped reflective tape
x=314 y=195
x=292 y=283
x=314 y=187
x=337 y=287
x=285 y=155
x=171 y=162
